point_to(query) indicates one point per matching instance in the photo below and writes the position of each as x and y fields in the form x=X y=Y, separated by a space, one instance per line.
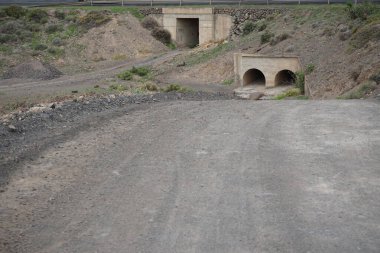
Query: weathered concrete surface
x=223 y=176
x=211 y=27
x=269 y=66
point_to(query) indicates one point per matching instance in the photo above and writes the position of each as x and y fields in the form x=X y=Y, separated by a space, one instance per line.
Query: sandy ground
x=203 y=176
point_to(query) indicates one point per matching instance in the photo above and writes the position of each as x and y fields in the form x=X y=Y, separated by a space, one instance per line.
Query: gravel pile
x=33 y=70
x=24 y=134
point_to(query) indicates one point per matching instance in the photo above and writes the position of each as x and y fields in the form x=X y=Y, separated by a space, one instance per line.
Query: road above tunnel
x=205 y=176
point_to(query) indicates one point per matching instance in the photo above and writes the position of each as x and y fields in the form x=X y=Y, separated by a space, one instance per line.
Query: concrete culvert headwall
x=188 y=32
x=284 y=77
x=254 y=76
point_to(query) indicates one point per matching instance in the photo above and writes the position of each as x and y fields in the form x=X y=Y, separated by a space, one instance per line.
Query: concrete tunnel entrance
x=253 y=76
x=285 y=77
x=188 y=32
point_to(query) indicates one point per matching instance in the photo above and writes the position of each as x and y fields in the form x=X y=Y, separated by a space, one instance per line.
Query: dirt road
x=204 y=176
x=13 y=89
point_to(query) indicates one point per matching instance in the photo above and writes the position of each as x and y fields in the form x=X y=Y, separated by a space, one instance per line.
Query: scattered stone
x=182 y=64
x=74 y=91
x=12 y=128
x=53 y=106
x=255 y=95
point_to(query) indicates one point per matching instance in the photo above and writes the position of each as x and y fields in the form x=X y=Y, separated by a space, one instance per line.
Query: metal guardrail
x=172 y=2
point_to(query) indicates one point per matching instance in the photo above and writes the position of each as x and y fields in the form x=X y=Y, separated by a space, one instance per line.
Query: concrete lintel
x=193 y=11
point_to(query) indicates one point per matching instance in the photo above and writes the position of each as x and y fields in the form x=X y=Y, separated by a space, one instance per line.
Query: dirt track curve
x=205 y=176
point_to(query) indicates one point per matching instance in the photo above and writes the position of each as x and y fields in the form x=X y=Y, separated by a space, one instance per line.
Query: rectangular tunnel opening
x=187 y=32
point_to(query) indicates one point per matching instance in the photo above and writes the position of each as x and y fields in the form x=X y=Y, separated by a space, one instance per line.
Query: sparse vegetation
x=15 y=11
x=309 y=68
x=365 y=34
x=277 y=39
x=361 y=11
x=289 y=93
x=140 y=71
x=94 y=19
x=265 y=37
x=175 y=87
x=300 y=81
x=360 y=91
x=118 y=87
x=228 y=81
x=206 y=55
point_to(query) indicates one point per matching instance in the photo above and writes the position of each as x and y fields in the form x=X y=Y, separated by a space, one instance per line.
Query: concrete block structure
x=270 y=71
x=194 y=26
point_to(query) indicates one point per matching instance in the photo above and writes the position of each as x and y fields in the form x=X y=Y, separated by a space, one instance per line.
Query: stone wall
x=240 y=16
x=150 y=11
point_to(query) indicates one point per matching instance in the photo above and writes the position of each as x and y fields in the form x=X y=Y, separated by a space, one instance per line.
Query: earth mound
x=33 y=70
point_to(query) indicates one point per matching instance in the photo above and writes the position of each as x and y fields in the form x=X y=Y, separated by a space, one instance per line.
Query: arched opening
x=253 y=76
x=285 y=77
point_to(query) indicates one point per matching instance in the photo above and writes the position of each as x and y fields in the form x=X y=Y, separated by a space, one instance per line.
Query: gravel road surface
x=204 y=176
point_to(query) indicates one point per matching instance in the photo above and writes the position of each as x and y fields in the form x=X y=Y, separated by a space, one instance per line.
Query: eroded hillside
x=342 y=49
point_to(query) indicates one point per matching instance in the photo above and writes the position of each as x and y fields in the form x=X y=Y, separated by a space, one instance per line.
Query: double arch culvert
x=267 y=71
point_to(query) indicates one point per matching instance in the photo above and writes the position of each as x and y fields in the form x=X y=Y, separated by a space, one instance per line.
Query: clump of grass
x=360 y=91
x=228 y=81
x=265 y=37
x=279 y=38
x=289 y=93
x=52 y=28
x=151 y=87
x=140 y=71
x=119 y=57
x=117 y=87
x=171 y=45
x=175 y=87
x=59 y=14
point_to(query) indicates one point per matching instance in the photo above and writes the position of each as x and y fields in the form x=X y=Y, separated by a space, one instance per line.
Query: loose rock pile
x=150 y=11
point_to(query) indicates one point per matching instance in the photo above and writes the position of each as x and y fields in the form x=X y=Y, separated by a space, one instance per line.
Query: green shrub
x=300 y=81
x=265 y=37
x=57 y=41
x=279 y=38
x=228 y=81
x=141 y=71
x=150 y=23
x=261 y=25
x=171 y=45
x=25 y=36
x=59 y=14
x=53 y=28
x=55 y=51
x=126 y=75
x=38 y=16
x=118 y=87
x=94 y=19
x=361 y=11
x=175 y=87
x=162 y=35
x=71 y=31
x=309 y=68
x=15 y=11
x=5 y=38
x=2 y=13
x=248 y=27
x=11 y=27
